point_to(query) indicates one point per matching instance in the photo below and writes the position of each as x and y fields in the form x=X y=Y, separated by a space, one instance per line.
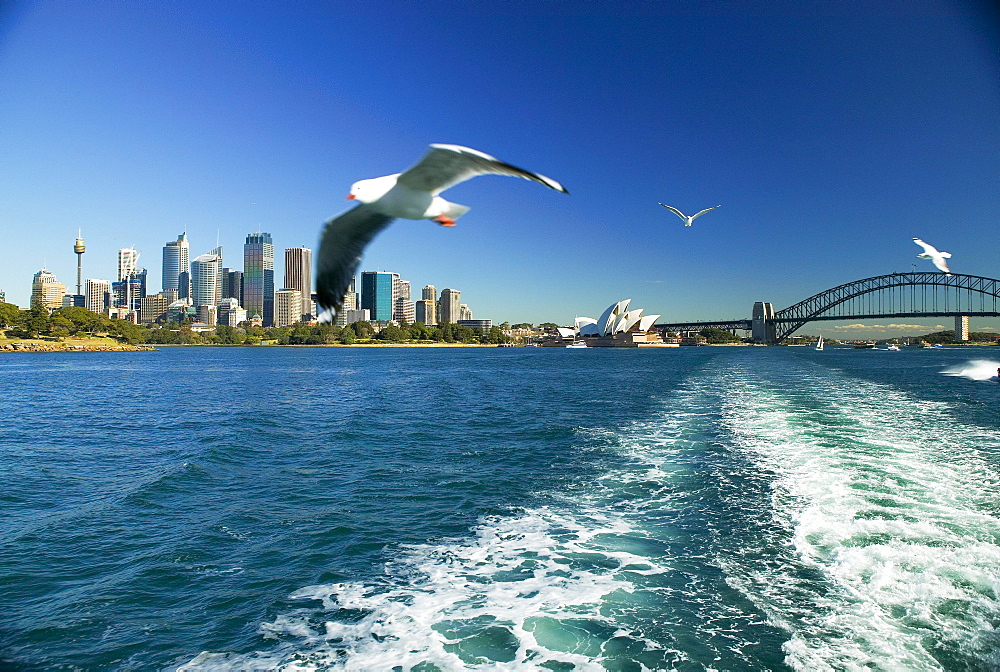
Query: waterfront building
x=232 y=285
x=619 y=327
x=298 y=275
x=46 y=291
x=205 y=280
x=429 y=293
x=153 y=307
x=176 y=261
x=961 y=328
x=485 y=325
x=405 y=311
x=96 y=295
x=425 y=311
x=377 y=294
x=464 y=313
x=287 y=307
x=258 y=277
x=206 y=315
x=230 y=313
x=449 y=306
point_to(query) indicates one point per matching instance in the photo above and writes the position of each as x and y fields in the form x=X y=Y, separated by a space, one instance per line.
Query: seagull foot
x=444 y=221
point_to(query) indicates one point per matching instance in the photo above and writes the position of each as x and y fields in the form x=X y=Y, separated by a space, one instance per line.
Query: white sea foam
x=525 y=591
x=976 y=369
x=891 y=507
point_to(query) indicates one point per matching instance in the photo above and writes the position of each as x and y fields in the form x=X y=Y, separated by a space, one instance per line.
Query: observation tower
x=79 y=248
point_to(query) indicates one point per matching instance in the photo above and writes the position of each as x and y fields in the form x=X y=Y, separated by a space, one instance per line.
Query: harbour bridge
x=897 y=295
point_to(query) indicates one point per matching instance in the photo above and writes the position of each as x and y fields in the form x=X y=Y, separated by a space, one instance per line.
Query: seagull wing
x=444 y=166
x=928 y=249
x=694 y=217
x=340 y=248
x=941 y=264
x=676 y=212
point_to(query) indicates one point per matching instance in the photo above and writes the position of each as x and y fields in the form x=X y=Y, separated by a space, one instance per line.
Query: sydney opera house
x=619 y=327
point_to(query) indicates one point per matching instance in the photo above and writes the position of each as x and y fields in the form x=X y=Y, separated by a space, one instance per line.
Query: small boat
x=819 y=343
x=892 y=346
x=577 y=344
x=865 y=345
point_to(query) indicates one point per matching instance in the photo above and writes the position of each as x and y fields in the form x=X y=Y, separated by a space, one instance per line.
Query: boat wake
x=977 y=369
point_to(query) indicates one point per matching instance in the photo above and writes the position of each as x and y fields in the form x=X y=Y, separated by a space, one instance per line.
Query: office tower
x=357 y=315
x=464 y=313
x=176 y=258
x=205 y=280
x=377 y=294
x=220 y=280
x=961 y=328
x=298 y=274
x=405 y=311
x=287 y=307
x=258 y=277
x=450 y=306
x=96 y=295
x=153 y=308
x=128 y=262
x=425 y=311
x=79 y=249
x=232 y=288
x=429 y=293
x=350 y=304
x=46 y=291
x=127 y=294
x=230 y=313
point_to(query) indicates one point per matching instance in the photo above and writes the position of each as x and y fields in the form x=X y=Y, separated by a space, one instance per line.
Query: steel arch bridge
x=897 y=295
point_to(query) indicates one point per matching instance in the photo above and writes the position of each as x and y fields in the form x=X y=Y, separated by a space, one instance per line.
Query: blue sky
x=831 y=133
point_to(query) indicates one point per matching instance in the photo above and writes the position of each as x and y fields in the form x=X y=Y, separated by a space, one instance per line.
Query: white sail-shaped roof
x=611 y=316
x=581 y=322
x=566 y=332
x=590 y=330
x=631 y=318
x=646 y=323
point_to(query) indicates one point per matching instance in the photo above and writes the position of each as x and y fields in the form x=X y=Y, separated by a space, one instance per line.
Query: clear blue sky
x=831 y=133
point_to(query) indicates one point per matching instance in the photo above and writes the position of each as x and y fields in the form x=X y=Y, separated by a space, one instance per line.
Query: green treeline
x=65 y=322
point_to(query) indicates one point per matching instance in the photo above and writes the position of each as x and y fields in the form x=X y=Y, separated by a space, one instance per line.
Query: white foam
x=976 y=369
x=889 y=500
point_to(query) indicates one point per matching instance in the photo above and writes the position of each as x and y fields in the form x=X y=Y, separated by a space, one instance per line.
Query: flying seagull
x=688 y=221
x=930 y=252
x=412 y=194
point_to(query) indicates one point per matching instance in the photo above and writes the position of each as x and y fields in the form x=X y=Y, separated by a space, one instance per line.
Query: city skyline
x=828 y=155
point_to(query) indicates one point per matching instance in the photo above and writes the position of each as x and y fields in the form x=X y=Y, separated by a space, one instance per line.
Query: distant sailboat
x=819 y=343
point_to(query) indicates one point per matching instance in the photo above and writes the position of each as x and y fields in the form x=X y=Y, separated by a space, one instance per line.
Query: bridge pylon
x=764 y=331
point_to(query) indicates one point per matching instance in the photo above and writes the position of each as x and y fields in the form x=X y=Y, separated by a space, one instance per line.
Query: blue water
x=498 y=509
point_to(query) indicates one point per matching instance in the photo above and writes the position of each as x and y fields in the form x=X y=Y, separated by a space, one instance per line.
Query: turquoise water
x=499 y=509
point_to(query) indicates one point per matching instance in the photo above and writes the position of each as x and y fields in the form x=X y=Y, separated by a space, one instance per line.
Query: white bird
x=688 y=221
x=930 y=252
x=412 y=194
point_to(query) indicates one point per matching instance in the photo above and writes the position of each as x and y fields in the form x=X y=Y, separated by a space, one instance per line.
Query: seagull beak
x=351 y=197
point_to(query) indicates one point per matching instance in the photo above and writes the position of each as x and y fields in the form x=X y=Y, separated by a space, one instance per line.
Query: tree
x=226 y=335
x=713 y=335
x=363 y=329
x=392 y=334
x=35 y=322
x=347 y=336
x=10 y=315
x=81 y=319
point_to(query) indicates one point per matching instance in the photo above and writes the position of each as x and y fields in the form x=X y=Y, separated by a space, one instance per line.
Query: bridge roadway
x=915 y=294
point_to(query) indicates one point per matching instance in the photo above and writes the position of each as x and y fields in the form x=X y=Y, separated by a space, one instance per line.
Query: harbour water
x=499 y=508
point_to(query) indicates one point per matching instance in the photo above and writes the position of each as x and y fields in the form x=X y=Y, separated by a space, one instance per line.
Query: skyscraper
x=128 y=262
x=205 y=280
x=298 y=274
x=450 y=306
x=96 y=295
x=258 y=277
x=176 y=256
x=377 y=294
x=232 y=287
x=425 y=311
x=287 y=307
x=429 y=293
x=46 y=291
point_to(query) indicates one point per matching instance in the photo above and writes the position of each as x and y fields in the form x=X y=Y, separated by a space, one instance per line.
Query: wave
x=976 y=369
x=891 y=511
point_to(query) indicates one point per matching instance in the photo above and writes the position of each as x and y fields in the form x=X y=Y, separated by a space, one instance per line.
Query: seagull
x=930 y=252
x=413 y=194
x=688 y=221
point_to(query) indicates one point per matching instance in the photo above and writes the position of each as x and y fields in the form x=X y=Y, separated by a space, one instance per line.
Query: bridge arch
x=896 y=295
